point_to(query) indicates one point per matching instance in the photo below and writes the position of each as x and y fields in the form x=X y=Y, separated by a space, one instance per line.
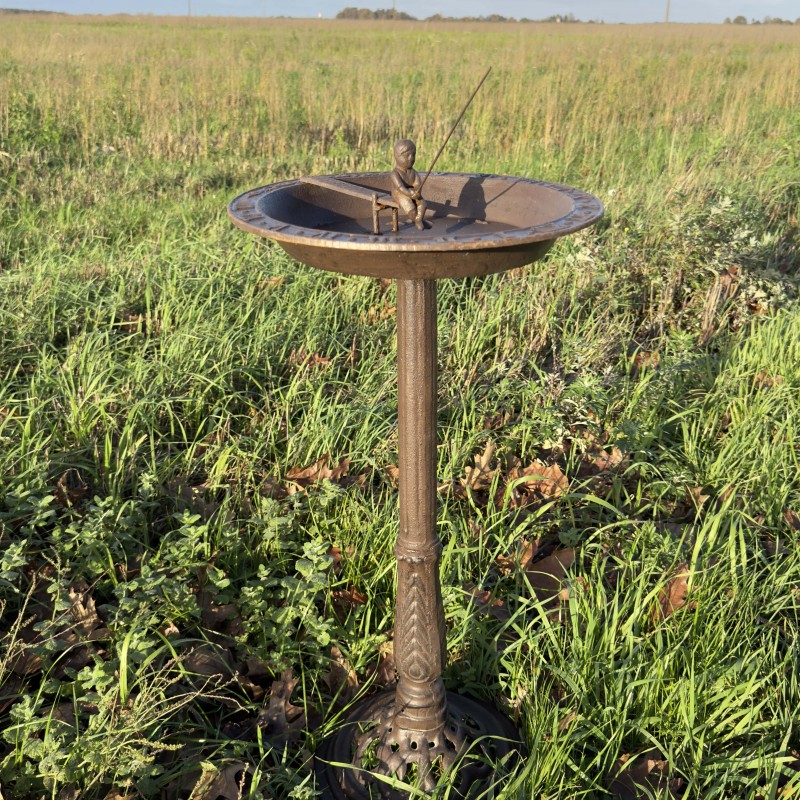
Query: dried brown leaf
x=257 y=670
x=131 y=322
x=71 y=488
x=486 y=603
x=492 y=422
x=775 y=547
x=223 y=620
x=766 y=381
x=226 y=783
x=379 y=313
x=546 y=480
x=451 y=488
x=170 y=629
x=697 y=498
x=338 y=555
x=130 y=569
x=527 y=551
x=82 y=610
x=301 y=358
x=547 y=575
x=729 y=280
x=645 y=358
x=300 y=478
x=74 y=629
x=345 y=600
x=792 y=519
x=282 y=720
x=566 y=721
x=210 y=661
x=604 y=460
x=353 y=480
x=254 y=676
x=639 y=777
x=673 y=594
x=271 y=283
x=524 y=553
x=384 y=671
x=340 y=470
x=480 y=476
x=10 y=691
x=273 y=488
x=313 y=472
x=352 y=355
x=191 y=498
x=341 y=678
x=393 y=475
x=65 y=712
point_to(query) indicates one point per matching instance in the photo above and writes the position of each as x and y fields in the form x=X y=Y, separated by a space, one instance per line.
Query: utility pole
x=666 y=18
x=188 y=8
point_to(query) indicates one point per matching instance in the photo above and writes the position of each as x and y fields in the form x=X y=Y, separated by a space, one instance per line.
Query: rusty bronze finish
x=479 y=224
x=475 y=225
x=378 y=201
x=419 y=619
x=474 y=749
x=406 y=183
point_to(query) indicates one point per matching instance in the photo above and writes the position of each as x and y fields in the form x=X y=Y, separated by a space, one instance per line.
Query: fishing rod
x=455 y=125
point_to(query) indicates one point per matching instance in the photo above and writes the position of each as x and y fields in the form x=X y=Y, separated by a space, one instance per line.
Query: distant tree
x=727 y=21
x=367 y=13
x=740 y=20
x=351 y=12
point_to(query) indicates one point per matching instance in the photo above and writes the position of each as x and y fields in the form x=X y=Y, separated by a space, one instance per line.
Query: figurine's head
x=405 y=151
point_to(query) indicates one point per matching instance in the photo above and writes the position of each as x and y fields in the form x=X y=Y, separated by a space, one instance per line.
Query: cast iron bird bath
x=474 y=225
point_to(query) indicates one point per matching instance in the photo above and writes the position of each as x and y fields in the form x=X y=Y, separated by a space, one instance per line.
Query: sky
x=608 y=10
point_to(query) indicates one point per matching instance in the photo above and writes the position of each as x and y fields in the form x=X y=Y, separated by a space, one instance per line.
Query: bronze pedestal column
x=419 y=642
x=419 y=732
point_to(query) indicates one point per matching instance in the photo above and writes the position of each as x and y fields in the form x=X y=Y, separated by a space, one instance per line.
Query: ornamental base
x=475 y=749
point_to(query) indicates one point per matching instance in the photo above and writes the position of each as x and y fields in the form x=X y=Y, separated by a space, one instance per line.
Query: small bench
x=379 y=200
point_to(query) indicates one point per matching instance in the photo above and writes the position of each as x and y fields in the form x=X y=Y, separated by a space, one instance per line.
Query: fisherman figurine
x=406 y=183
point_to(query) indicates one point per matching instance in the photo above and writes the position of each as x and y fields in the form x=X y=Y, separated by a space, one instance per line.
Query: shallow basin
x=476 y=224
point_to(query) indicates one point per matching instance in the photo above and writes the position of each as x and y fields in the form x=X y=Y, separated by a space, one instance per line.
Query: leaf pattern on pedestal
x=417 y=645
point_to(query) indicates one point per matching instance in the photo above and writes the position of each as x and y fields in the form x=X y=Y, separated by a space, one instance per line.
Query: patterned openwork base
x=477 y=747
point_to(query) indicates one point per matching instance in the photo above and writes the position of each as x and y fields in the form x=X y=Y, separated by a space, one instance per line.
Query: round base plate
x=477 y=747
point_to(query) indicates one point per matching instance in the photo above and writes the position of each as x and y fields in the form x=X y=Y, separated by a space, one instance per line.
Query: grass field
x=197 y=435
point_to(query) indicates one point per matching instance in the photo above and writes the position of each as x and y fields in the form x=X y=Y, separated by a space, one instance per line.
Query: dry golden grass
x=609 y=98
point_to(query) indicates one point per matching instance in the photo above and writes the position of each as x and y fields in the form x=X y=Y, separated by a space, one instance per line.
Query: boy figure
x=406 y=183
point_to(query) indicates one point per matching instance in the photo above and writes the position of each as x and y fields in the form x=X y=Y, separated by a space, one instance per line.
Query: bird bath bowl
x=474 y=225
x=479 y=224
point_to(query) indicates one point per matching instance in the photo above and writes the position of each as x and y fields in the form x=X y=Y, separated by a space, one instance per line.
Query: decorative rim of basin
x=245 y=212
